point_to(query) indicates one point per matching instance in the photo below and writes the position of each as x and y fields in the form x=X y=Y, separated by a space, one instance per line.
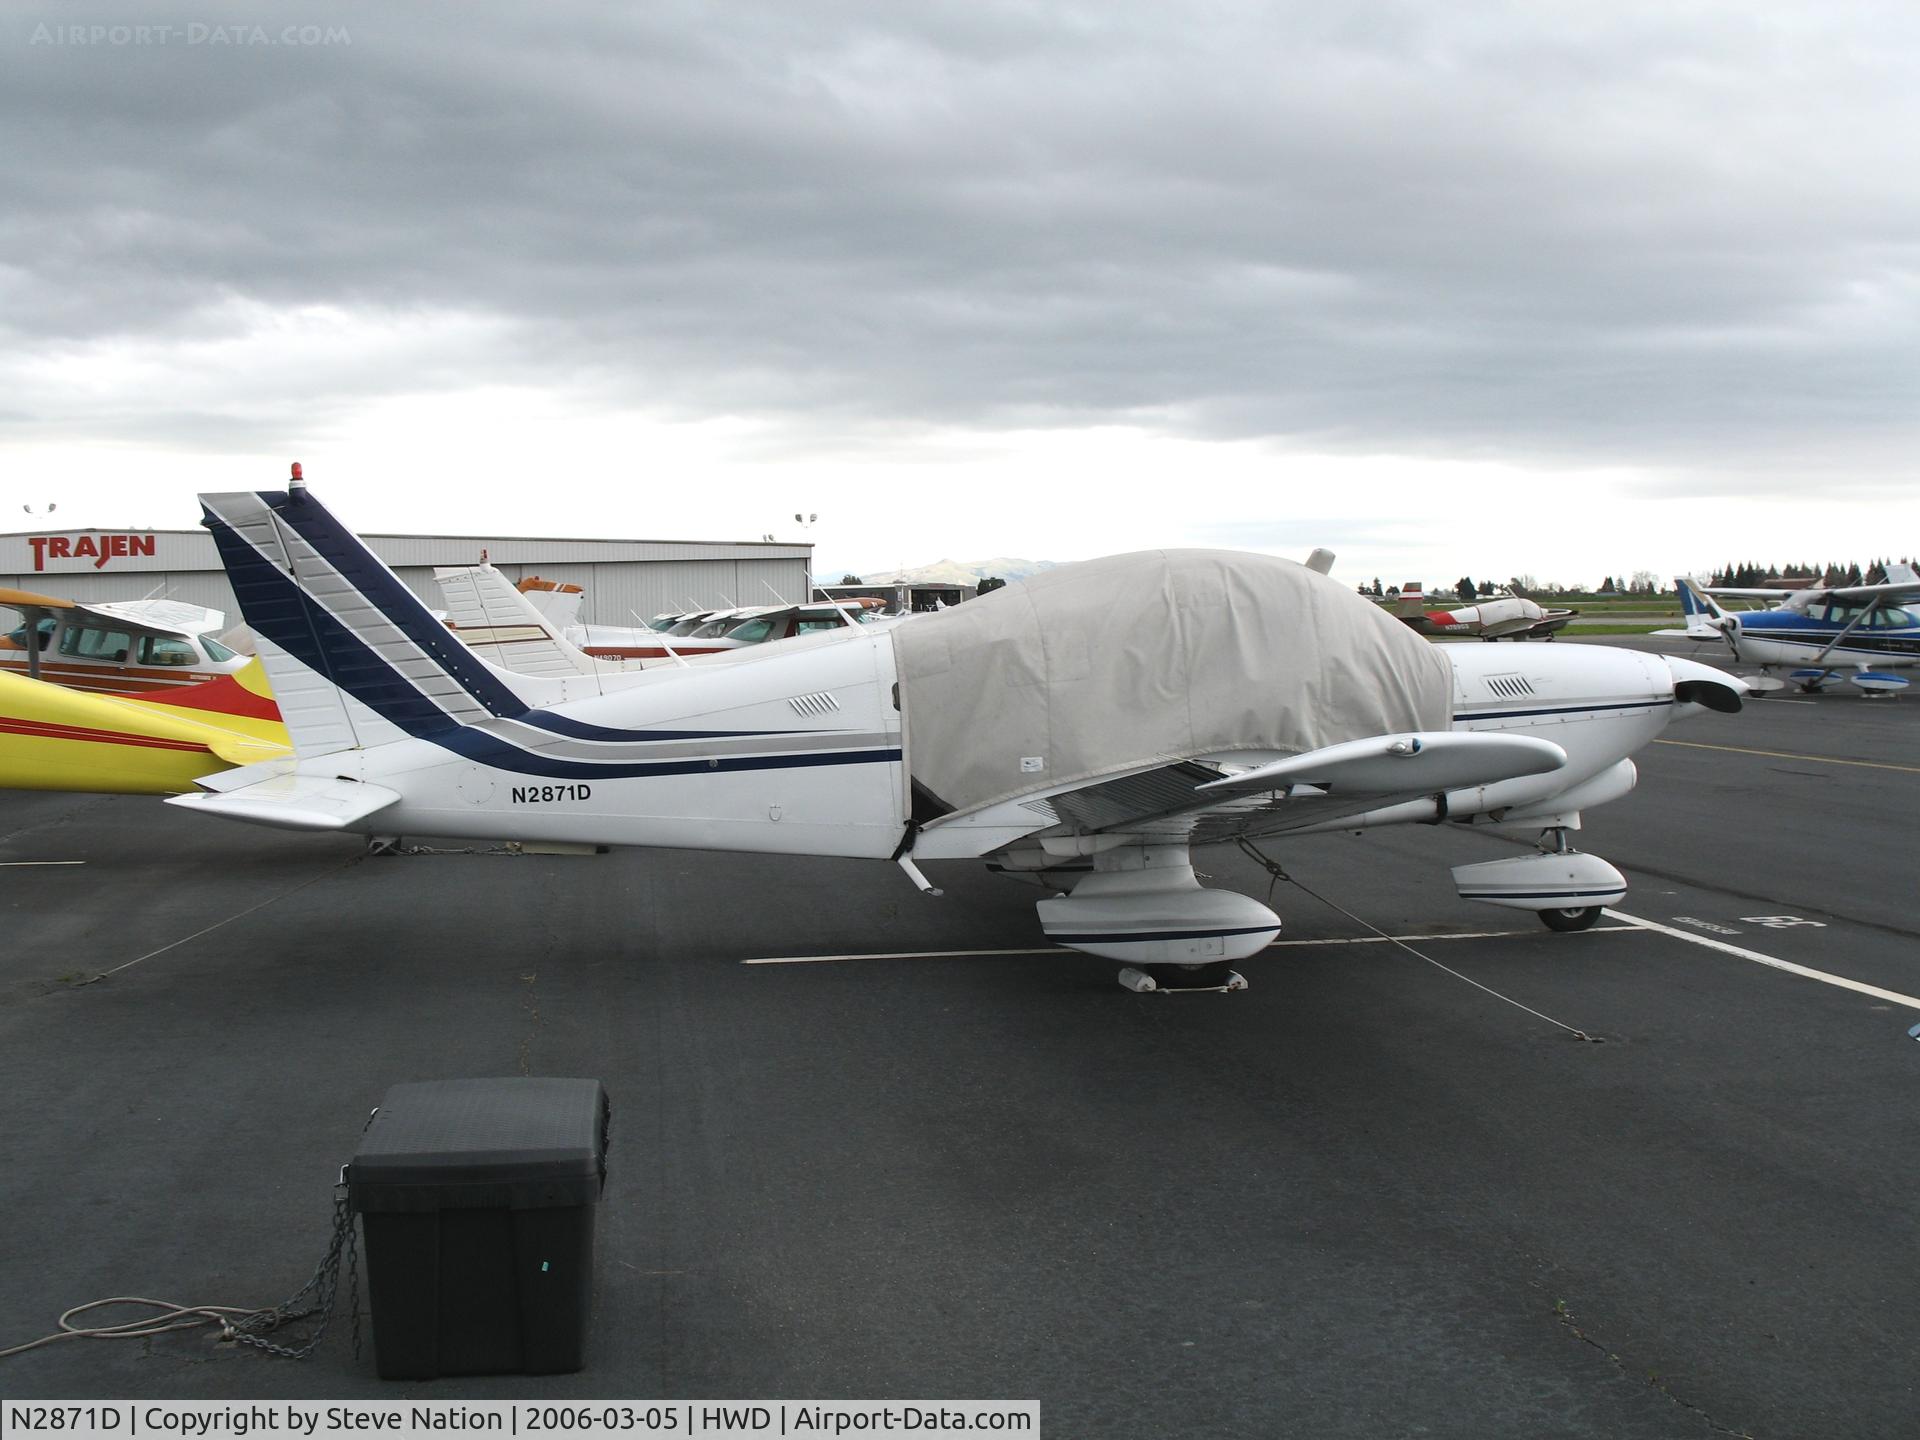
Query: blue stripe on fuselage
x=581 y=730
x=276 y=606
x=476 y=743
x=1648 y=704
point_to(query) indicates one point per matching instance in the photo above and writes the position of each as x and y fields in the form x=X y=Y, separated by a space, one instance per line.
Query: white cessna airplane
x=1087 y=727
x=1853 y=631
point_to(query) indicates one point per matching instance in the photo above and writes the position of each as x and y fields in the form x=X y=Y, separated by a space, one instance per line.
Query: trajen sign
x=101 y=549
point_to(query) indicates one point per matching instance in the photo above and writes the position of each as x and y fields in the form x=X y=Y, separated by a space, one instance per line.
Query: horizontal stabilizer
x=1401 y=764
x=296 y=802
x=238 y=749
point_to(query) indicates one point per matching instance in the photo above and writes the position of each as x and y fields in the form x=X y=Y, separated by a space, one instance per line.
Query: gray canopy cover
x=1151 y=657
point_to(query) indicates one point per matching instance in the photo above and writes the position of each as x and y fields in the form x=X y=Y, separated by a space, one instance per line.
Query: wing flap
x=296 y=802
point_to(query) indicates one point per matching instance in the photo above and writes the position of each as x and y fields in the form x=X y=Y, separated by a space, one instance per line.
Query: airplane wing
x=159 y=616
x=1388 y=765
x=1889 y=590
x=1903 y=586
x=296 y=802
x=1212 y=800
x=25 y=600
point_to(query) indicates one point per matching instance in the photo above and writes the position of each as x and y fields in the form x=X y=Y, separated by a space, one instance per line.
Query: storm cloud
x=1633 y=234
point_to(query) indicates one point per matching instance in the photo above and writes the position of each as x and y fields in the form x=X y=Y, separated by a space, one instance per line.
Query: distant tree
x=1645 y=582
x=1606 y=585
x=1853 y=574
x=1376 y=587
x=851 y=580
x=1486 y=587
x=989 y=583
x=1465 y=588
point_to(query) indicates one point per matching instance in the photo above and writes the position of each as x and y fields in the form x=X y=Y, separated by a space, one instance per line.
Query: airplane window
x=751 y=632
x=810 y=627
x=1893 y=618
x=19 y=636
x=217 y=651
x=165 y=650
x=90 y=642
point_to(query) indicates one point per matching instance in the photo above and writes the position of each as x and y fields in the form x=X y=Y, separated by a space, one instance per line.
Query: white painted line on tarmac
x=1063 y=950
x=899 y=955
x=1790 y=755
x=12 y=864
x=1911 y=1002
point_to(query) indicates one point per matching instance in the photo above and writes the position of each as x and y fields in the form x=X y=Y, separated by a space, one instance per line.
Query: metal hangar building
x=622 y=578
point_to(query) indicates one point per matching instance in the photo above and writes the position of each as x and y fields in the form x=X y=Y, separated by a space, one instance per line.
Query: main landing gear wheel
x=1580 y=918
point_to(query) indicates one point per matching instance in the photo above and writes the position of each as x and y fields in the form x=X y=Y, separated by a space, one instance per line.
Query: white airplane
x=1852 y=631
x=1088 y=727
x=1505 y=616
x=116 y=646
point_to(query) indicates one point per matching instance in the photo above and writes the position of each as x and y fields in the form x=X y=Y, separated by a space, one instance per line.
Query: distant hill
x=958 y=572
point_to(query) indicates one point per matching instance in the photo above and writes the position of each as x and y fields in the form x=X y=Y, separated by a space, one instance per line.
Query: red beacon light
x=297 y=482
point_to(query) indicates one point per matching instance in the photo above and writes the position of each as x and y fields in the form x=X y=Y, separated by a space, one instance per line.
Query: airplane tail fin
x=1701 y=610
x=355 y=658
x=505 y=624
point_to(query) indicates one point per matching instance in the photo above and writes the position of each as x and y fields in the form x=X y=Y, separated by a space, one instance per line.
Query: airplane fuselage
x=1782 y=637
x=800 y=750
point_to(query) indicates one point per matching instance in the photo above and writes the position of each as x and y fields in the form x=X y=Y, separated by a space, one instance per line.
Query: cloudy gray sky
x=1497 y=287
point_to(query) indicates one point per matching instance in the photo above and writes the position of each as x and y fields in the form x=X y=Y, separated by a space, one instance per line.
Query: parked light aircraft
x=155 y=743
x=1850 y=631
x=1116 y=712
x=1498 y=617
x=703 y=632
x=115 y=646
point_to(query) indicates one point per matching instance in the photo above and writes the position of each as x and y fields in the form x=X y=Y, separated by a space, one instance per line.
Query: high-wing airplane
x=157 y=743
x=1088 y=727
x=1498 y=617
x=1854 y=632
x=117 y=646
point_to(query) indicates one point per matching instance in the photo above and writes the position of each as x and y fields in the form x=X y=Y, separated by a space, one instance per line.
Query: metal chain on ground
x=235 y=1322
x=321 y=1289
x=1276 y=874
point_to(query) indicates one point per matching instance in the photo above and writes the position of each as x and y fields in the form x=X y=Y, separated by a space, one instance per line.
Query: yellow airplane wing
x=52 y=738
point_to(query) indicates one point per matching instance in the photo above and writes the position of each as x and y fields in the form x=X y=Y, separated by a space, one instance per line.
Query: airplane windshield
x=215 y=650
x=19 y=636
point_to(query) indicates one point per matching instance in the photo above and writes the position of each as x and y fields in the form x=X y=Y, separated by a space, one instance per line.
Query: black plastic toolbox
x=477 y=1201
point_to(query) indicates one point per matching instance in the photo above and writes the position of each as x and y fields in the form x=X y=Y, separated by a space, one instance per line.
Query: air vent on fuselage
x=1509 y=687
x=819 y=703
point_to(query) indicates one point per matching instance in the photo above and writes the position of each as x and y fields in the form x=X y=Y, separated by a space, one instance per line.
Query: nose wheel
x=1567 y=921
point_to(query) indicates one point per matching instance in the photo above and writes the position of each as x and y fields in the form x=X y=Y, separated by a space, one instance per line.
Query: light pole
x=32 y=636
x=805 y=522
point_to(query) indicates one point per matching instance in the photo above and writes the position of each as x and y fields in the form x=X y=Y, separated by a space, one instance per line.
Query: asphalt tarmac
x=1362 y=1197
